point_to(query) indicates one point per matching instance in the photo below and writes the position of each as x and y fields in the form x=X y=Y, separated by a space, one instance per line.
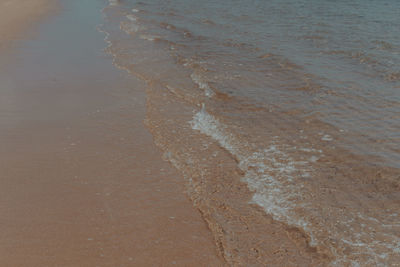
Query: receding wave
x=252 y=129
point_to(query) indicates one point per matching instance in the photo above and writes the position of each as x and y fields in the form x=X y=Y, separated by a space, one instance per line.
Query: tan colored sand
x=94 y=191
x=17 y=15
x=81 y=182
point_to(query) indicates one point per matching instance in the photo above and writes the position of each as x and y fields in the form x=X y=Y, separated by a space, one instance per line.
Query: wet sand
x=81 y=182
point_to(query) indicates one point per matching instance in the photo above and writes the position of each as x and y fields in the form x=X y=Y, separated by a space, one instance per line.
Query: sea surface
x=297 y=100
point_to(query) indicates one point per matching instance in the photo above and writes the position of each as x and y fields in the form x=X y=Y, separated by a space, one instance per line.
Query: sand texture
x=17 y=15
x=81 y=182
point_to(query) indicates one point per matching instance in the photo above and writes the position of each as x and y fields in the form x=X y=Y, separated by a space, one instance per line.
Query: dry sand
x=81 y=182
x=17 y=15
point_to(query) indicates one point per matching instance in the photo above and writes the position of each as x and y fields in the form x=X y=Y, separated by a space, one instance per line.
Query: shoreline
x=267 y=190
x=124 y=146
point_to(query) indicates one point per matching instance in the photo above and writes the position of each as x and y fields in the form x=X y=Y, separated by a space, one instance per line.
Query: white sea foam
x=197 y=79
x=268 y=172
x=148 y=37
x=131 y=17
x=327 y=137
x=130 y=27
x=276 y=180
x=114 y=2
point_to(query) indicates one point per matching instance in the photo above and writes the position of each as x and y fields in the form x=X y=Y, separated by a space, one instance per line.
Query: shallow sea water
x=300 y=98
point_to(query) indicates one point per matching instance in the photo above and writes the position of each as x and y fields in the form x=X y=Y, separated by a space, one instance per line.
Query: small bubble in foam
x=114 y=2
x=131 y=17
x=327 y=137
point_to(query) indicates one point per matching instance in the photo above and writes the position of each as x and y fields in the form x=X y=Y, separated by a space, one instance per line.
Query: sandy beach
x=81 y=182
x=196 y=133
x=16 y=17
